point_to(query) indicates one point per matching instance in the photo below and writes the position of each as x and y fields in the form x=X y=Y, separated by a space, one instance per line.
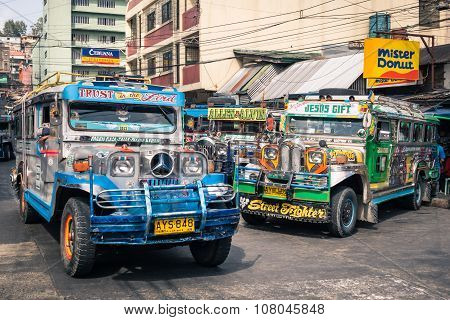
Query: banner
x=391 y=59
x=237 y=114
x=100 y=56
x=387 y=83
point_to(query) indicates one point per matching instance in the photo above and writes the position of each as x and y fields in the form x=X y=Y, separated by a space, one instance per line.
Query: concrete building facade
x=191 y=43
x=72 y=25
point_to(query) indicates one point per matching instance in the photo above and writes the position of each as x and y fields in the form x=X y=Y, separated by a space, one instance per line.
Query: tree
x=36 y=28
x=13 y=28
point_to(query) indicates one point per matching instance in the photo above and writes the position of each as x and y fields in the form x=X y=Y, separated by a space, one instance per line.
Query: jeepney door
x=48 y=147
x=379 y=153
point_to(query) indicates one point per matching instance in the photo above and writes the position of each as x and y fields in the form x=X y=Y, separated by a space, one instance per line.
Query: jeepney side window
x=381 y=163
x=29 y=117
x=418 y=132
x=404 y=131
x=18 y=125
x=428 y=133
x=383 y=130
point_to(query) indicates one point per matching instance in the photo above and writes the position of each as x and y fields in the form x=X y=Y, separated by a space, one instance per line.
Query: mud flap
x=367 y=212
x=427 y=193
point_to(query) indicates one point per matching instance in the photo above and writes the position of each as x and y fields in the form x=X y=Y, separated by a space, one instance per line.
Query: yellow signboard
x=237 y=114
x=391 y=59
x=385 y=83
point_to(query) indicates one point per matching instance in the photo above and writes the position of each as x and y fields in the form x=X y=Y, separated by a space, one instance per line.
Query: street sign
x=391 y=59
x=100 y=56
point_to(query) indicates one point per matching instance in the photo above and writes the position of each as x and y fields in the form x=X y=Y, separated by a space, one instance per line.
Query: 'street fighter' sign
x=89 y=93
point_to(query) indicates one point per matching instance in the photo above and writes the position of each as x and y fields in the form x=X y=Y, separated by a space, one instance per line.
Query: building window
x=167 y=60
x=45 y=19
x=45 y=2
x=45 y=36
x=151 y=66
x=45 y=54
x=80 y=37
x=106 y=21
x=107 y=39
x=105 y=73
x=151 y=22
x=166 y=12
x=45 y=72
x=428 y=13
x=80 y=19
x=84 y=3
x=76 y=54
x=192 y=55
x=106 y=3
x=82 y=72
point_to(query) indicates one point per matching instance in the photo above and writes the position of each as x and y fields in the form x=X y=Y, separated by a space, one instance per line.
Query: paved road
x=405 y=256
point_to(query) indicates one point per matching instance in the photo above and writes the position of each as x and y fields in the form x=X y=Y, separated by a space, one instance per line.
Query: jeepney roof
x=109 y=91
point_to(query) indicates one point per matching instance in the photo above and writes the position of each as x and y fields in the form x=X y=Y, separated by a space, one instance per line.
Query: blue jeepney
x=107 y=160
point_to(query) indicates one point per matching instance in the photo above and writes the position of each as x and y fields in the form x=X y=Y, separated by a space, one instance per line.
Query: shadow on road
x=145 y=263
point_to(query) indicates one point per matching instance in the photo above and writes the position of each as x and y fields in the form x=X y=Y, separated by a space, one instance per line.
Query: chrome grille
x=285 y=158
x=296 y=155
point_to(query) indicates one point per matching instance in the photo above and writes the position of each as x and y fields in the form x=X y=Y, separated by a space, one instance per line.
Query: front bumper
x=305 y=196
x=127 y=216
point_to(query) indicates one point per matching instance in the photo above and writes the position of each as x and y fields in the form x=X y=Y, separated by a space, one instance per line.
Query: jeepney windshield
x=122 y=117
x=325 y=126
x=237 y=127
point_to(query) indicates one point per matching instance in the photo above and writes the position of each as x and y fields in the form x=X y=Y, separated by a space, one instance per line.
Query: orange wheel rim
x=69 y=235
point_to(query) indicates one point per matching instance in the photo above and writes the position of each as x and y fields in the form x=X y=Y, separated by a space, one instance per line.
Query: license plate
x=174 y=226
x=274 y=191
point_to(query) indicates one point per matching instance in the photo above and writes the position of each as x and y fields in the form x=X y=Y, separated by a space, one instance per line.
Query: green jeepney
x=340 y=158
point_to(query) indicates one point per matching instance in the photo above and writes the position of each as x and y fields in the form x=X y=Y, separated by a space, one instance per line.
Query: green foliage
x=13 y=28
x=36 y=28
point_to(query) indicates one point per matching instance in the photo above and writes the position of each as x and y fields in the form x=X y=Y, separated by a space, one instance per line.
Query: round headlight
x=315 y=157
x=270 y=153
x=192 y=166
x=122 y=166
x=221 y=151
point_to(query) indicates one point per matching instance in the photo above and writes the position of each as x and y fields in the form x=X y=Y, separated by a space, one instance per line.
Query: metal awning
x=251 y=80
x=313 y=75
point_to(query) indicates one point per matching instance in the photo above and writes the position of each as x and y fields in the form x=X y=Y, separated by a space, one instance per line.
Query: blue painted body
x=131 y=218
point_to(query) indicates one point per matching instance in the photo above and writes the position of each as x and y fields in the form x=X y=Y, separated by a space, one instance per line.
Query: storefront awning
x=313 y=75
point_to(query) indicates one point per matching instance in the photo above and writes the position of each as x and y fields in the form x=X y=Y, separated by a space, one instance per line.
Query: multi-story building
x=197 y=45
x=71 y=29
x=4 y=57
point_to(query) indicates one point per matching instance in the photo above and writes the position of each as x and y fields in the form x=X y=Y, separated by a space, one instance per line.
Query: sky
x=31 y=9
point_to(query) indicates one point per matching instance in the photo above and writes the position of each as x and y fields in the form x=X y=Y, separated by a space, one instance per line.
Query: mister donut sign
x=391 y=59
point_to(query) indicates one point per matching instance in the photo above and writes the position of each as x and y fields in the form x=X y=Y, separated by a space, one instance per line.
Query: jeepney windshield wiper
x=166 y=116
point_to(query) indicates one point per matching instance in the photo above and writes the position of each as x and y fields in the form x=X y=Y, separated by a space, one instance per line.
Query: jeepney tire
x=253 y=219
x=342 y=222
x=211 y=253
x=414 y=201
x=77 y=249
x=27 y=213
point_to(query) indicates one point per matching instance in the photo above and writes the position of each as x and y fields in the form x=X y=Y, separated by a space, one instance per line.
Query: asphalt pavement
x=405 y=256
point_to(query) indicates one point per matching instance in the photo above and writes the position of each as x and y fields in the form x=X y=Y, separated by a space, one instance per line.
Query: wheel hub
x=348 y=211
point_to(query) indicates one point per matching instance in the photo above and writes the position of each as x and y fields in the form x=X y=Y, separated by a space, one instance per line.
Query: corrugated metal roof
x=313 y=75
x=239 y=79
x=251 y=80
